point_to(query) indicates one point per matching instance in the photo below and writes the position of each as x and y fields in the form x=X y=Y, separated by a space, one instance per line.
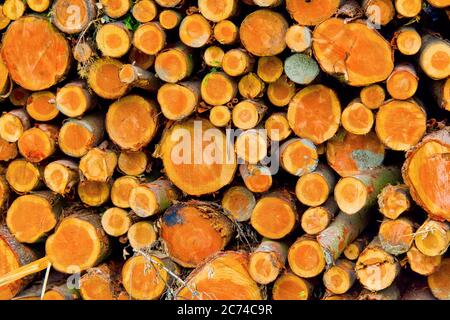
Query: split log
x=239 y=202
x=313 y=189
x=433 y=238
x=184 y=228
x=13 y=124
x=266 y=261
x=98 y=164
x=270 y=69
x=121 y=189
x=394 y=200
x=396 y=236
x=421 y=263
x=63 y=12
x=340 y=277
x=24 y=176
x=178 y=100
x=316 y=219
x=230 y=279
x=425 y=174
x=274 y=215
x=439 y=282
x=74 y=99
x=93 y=193
x=142 y=235
x=288 y=286
x=356 y=118
x=306 y=258
x=133 y=163
x=257 y=178
x=41 y=106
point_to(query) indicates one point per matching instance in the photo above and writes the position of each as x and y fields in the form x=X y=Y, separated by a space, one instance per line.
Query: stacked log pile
x=232 y=149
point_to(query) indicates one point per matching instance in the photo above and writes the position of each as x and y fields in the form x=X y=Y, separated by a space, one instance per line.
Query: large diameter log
x=36 y=56
x=193 y=231
x=131 y=122
x=439 y=281
x=230 y=280
x=12 y=256
x=426 y=173
x=341 y=232
x=262 y=33
x=311 y=13
x=353 y=51
x=79 y=243
x=196 y=157
x=63 y=12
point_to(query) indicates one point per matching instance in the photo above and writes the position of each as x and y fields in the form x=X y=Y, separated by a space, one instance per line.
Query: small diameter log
x=83 y=51
x=30 y=63
x=99 y=283
x=121 y=189
x=301 y=68
x=226 y=32
x=277 y=126
x=313 y=189
x=193 y=231
x=350 y=61
x=169 y=19
x=38 y=143
x=263 y=32
x=354 y=249
x=341 y=232
x=217 y=11
x=350 y=154
x=220 y=116
x=251 y=86
x=173 y=65
x=151 y=198
x=78 y=136
x=19 y=96
x=237 y=62
x=139 y=78
x=281 y=92
x=93 y=193
x=375 y=268
x=8 y=150
x=275 y=215
x=257 y=178
x=311 y=13
x=149 y=38
x=113 y=39
x=239 y=202
x=12 y=256
x=116 y=221
x=67 y=248
x=270 y=69
x=439 y=281
x=306 y=258
x=131 y=122
x=103 y=79
x=61 y=176
x=298 y=38
x=408 y=8
x=31 y=217
x=441 y=93
x=394 y=200
x=433 y=237
x=425 y=173
x=340 y=277
x=38 y=5
x=23 y=176
x=13 y=124
x=217 y=88
x=197 y=172
x=298 y=156
x=144 y=11
x=379 y=12
x=434 y=57
x=142 y=235
x=396 y=236
x=41 y=106
x=63 y=12
x=267 y=261
x=357 y=118
x=178 y=100
x=316 y=219
x=4 y=20
x=116 y=8
x=359 y=191
x=140 y=59
x=133 y=163
x=213 y=56
x=195 y=31
x=390 y=293
x=288 y=286
x=169 y=3
x=98 y=164
x=315 y=113
x=421 y=263
x=403 y=82
x=14 y=9
x=74 y=99
x=408 y=41
x=372 y=96
x=247 y=114
x=230 y=279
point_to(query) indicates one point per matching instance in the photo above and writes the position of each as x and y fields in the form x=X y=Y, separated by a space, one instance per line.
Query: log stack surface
x=225 y=149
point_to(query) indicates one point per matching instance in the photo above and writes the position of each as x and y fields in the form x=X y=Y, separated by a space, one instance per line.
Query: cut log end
x=372 y=96
x=142 y=235
x=270 y=69
x=311 y=13
x=220 y=116
x=226 y=32
x=213 y=56
x=63 y=19
x=408 y=41
x=169 y=19
x=133 y=163
x=433 y=238
x=306 y=258
x=61 y=176
x=116 y=222
x=41 y=106
x=396 y=236
x=340 y=277
x=113 y=40
x=178 y=101
x=439 y=282
x=152 y=198
x=299 y=156
x=98 y=165
x=149 y=38
x=103 y=79
x=218 y=89
x=351 y=194
x=144 y=11
x=215 y=11
x=195 y=31
x=121 y=189
x=116 y=8
x=23 y=176
x=173 y=65
x=291 y=287
x=357 y=118
x=421 y=263
x=74 y=99
x=277 y=126
x=256 y=178
x=93 y=193
x=313 y=189
x=240 y=202
x=394 y=200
